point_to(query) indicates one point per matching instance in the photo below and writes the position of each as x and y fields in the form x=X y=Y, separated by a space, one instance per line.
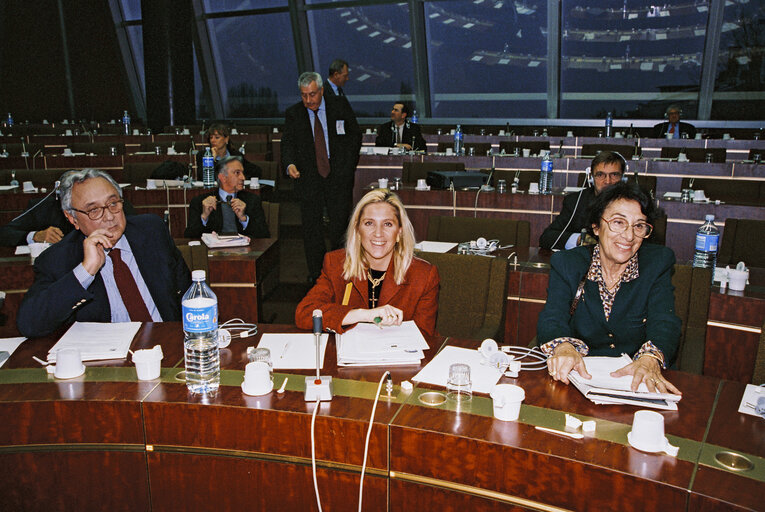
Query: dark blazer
x=660 y=130
x=579 y=220
x=250 y=169
x=328 y=90
x=256 y=228
x=417 y=296
x=643 y=310
x=297 y=146
x=57 y=298
x=411 y=135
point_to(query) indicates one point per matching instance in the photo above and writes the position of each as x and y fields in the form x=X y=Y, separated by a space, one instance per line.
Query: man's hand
x=93 y=248
x=209 y=204
x=239 y=208
x=293 y=172
x=50 y=235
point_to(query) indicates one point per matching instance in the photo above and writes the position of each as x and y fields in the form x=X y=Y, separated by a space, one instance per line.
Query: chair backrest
x=471 y=301
x=272 y=218
x=464 y=229
x=692 y=290
x=270 y=169
x=695 y=154
x=138 y=172
x=626 y=150
x=195 y=256
x=742 y=240
x=758 y=377
x=742 y=192
x=413 y=171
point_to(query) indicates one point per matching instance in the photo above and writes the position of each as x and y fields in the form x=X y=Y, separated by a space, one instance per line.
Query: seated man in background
x=112 y=268
x=400 y=131
x=227 y=209
x=42 y=221
x=218 y=136
x=565 y=231
x=673 y=125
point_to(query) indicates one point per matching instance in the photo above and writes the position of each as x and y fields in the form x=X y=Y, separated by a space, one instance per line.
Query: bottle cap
x=198 y=275
x=709 y=217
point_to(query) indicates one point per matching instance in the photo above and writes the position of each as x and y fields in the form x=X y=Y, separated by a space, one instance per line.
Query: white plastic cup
x=648 y=430
x=369 y=131
x=501 y=132
x=382 y=182
x=68 y=132
x=533 y=188
x=507 y=400
x=726 y=136
x=255 y=183
x=148 y=363
x=698 y=195
x=422 y=184
x=68 y=363
x=526 y=152
x=670 y=135
x=136 y=132
x=449 y=151
x=570 y=133
x=257 y=379
x=737 y=279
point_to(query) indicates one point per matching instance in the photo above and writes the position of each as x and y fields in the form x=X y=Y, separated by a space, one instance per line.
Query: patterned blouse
x=595 y=274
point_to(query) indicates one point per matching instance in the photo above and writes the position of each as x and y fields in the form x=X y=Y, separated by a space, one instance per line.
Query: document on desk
x=7 y=347
x=98 y=340
x=293 y=351
x=430 y=246
x=369 y=345
x=216 y=241
x=483 y=376
x=604 y=389
x=22 y=249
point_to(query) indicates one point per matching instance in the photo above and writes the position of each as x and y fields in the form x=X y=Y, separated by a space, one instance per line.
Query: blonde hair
x=356 y=263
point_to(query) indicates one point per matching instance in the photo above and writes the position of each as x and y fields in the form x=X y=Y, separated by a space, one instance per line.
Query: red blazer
x=417 y=296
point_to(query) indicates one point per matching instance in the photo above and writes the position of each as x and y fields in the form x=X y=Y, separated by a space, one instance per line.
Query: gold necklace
x=375 y=284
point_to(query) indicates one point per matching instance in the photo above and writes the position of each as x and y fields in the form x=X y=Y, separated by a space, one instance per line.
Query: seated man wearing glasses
x=565 y=231
x=111 y=268
x=614 y=297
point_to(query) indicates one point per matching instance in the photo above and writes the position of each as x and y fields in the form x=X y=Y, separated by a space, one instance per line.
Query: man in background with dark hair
x=400 y=131
x=338 y=76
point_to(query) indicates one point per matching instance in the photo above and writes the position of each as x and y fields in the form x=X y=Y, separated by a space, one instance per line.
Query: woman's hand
x=564 y=359
x=646 y=369
x=387 y=314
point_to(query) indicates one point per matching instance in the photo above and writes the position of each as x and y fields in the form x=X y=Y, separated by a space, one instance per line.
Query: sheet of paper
x=97 y=340
x=368 y=344
x=752 y=393
x=9 y=345
x=213 y=241
x=22 y=249
x=436 y=372
x=429 y=246
x=294 y=351
x=600 y=367
x=568 y=190
x=8 y=187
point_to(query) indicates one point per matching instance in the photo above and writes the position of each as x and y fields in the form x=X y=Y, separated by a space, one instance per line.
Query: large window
x=376 y=43
x=487 y=58
x=631 y=58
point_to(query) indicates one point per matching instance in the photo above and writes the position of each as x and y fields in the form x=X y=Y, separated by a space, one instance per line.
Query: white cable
x=369 y=433
x=313 y=453
x=239 y=328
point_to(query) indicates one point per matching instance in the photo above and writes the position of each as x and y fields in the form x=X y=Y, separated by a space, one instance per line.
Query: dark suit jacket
x=250 y=169
x=298 y=148
x=328 y=90
x=643 y=310
x=256 y=228
x=579 y=220
x=417 y=296
x=57 y=298
x=660 y=130
x=411 y=133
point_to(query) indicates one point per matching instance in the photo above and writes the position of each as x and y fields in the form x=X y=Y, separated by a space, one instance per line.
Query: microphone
x=560 y=149
x=317 y=321
x=318 y=388
x=24 y=152
x=483 y=187
x=57 y=190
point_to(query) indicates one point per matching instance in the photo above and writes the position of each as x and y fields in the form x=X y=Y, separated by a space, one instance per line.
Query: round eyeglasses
x=618 y=225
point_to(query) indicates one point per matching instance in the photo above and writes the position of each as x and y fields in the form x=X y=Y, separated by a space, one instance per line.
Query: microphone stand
x=318 y=388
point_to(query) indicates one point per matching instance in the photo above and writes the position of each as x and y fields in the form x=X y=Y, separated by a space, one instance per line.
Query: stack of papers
x=369 y=345
x=295 y=351
x=7 y=347
x=430 y=246
x=215 y=241
x=482 y=375
x=604 y=389
x=97 y=341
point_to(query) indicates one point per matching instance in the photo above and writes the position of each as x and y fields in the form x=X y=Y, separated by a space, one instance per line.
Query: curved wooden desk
x=105 y=441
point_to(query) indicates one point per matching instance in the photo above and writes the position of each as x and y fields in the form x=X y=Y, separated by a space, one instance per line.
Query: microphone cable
x=55 y=188
x=576 y=205
x=369 y=433
x=488 y=184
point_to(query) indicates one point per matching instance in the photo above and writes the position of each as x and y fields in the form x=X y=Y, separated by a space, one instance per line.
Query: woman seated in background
x=616 y=297
x=218 y=137
x=376 y=278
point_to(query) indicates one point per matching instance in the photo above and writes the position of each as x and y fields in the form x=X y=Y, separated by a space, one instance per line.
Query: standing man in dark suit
x=229 y=208
x=400 y=131
x=338 y=76
x=673 y=125
x=110 y=269
x=320 y=150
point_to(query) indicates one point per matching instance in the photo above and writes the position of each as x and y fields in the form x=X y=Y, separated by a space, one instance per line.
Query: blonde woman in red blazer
x=376 y=276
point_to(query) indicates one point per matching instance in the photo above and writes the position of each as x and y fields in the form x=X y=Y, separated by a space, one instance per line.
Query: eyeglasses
x=600 y=176
x=98 y=212
x=639 y=229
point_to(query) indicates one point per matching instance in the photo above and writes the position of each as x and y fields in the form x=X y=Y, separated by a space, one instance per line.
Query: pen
x=560 y=432
x=284 y=352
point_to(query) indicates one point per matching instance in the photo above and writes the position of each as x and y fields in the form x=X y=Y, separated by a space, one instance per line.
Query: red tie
x=672 y=128
x=131 y=297
x=322 y=159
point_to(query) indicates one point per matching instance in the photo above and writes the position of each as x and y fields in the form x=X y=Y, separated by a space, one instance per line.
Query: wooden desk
x=108 y=442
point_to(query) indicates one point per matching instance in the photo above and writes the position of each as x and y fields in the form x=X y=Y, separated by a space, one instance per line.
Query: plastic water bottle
x=414 y=116
x=208 y=166
x=9 y=120
x=126 y=123
x=200 y=330
x=609 y=125
x=707 y=238
x=458 y=140
x=546 y=175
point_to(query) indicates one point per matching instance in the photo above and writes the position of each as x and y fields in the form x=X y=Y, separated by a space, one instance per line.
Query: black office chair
x=464 y=229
